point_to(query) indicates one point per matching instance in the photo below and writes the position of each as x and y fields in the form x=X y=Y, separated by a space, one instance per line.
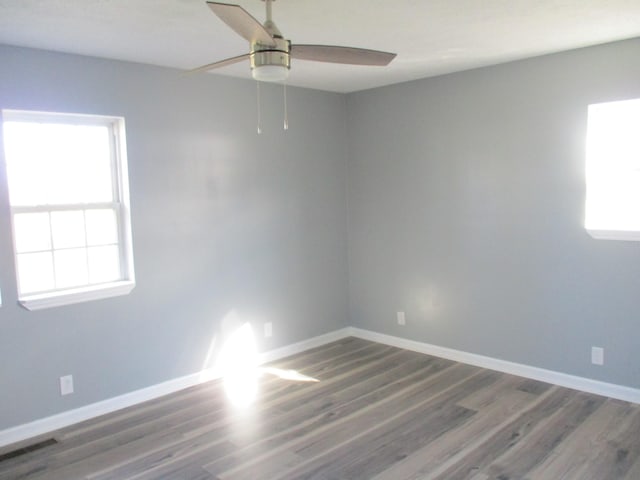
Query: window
x=68 y=194
x=613 y=170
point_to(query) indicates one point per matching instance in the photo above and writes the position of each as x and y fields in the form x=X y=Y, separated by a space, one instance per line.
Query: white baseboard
x=49 y=424
x=65 y=419
x=557 y=378
x=298 y=347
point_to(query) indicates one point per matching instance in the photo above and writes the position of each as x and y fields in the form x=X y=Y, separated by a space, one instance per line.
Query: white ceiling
x=431 y=37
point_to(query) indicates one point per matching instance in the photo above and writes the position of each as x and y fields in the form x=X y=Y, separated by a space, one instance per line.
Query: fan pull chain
x=286 y=113
x=259 y=116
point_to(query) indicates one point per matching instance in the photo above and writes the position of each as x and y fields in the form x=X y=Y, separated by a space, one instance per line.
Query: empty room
x=331 y=240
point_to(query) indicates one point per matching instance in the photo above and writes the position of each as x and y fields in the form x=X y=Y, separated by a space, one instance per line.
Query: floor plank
x=373 y=412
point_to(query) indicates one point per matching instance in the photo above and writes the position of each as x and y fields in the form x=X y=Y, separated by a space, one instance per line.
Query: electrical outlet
x=597 y=355
x=268 y=329
x=402 y=320
x=66 y=385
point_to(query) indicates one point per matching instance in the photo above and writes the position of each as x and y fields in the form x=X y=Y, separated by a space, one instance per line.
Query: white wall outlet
x=402 y=320
x=268 y=329
x=66 y=385
x=597 y=355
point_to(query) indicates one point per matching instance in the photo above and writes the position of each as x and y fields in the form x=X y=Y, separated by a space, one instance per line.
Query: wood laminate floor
x=375 y=412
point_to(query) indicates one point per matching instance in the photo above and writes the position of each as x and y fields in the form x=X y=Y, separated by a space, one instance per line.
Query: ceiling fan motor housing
x=279 y=55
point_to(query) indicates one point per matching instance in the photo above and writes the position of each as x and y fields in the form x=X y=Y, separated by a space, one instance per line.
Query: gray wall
x=465 y=207
x=223 y=219
x=466 y=203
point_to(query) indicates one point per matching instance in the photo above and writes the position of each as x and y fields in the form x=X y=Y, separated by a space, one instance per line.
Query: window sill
x=78 y=295
x=615 y=235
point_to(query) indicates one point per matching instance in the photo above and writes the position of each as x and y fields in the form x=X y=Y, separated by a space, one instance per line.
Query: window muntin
x=612 y=208
x=68 y=194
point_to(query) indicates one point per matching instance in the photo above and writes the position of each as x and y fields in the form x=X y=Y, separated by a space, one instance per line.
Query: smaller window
x=612 y=209
x=69 y=199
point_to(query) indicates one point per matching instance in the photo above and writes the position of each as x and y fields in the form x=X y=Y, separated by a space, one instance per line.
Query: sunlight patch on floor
x=239 y=366
x=288 y=374
x=238 y=362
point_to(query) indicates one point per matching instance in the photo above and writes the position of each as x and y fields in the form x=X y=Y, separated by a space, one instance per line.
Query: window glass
x=35 y=272
x=102 y=227
x=32 y=232
x=68 y=229
x=612 y=207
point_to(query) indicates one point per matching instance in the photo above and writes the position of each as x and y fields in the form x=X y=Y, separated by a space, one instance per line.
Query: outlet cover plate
x=66 y=385
x=597 y=355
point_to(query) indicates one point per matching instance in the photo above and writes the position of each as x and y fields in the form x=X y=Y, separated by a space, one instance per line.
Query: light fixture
x=271 y=64
x=270 y=73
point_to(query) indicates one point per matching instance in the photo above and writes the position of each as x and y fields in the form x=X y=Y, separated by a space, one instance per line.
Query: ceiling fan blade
x=221 y=63
x=242 y=22
x=348 y=55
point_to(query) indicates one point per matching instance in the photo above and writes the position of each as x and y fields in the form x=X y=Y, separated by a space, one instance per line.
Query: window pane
x=102 y=227
x=613 y=167
x=81 y=154
x=26 y=166
x=96 y=154
x=613 y=202
x=32 y=232
x=58 y=163
x=104 y=264
x=68 y=229
x=35 y=272
x=71 y=267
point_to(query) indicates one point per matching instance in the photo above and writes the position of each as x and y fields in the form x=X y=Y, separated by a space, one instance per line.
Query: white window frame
x=120 y=204
x=607 y=176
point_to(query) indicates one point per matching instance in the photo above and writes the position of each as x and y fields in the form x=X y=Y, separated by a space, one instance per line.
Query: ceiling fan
x=270 y=53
